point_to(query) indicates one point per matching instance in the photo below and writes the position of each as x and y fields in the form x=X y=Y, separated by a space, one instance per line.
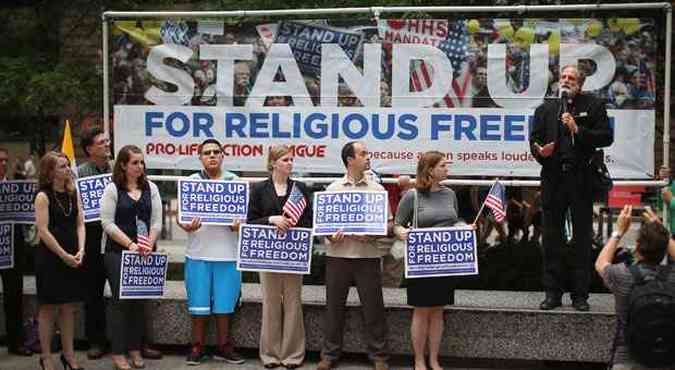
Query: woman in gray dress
x=436 y=207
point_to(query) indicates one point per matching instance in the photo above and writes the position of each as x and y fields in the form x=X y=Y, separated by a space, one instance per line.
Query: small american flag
x=496 y=201
x=143 y=242
x=142 y=239
x=295 y=205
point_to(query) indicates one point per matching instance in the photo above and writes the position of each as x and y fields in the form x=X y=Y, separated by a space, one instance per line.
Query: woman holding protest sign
x=284 y=203
x=60 y=225
x=429 y=205
x=131 y=216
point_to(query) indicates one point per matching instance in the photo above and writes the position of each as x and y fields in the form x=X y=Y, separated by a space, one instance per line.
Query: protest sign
x=142 y=277
x=305 y=40
x=439 y=251
x=17 y=201
x=90 y=191
x=264 y=248
x=353 y=212
x=6 y=245
x=215 y=202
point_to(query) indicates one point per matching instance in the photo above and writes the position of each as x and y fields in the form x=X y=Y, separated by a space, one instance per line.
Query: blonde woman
x=282 y=338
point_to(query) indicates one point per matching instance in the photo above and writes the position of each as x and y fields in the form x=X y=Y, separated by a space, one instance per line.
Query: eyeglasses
x=212 y=152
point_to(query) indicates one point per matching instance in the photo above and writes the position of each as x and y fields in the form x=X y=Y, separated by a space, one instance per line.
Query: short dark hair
x=209 y=141
x=87 y=138
x=348 y=151
x=4 y=150
x=652 y=242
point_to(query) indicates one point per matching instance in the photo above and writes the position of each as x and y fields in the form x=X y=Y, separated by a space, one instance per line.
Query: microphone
x=564 y=106
x=564 y=99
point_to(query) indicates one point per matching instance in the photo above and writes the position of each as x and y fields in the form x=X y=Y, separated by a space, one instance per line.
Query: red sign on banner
x=620 y=196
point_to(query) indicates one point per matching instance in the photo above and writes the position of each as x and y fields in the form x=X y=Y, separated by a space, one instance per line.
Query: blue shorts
x=212 y=286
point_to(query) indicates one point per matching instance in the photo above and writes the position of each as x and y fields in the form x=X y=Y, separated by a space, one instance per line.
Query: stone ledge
x=482 y=324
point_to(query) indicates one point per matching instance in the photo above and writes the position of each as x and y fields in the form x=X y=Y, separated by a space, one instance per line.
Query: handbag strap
x=415 y=205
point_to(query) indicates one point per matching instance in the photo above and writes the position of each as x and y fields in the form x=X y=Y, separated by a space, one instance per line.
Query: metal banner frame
x=376 y=12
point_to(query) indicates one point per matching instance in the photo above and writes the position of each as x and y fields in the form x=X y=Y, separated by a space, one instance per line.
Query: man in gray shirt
x=652 y=244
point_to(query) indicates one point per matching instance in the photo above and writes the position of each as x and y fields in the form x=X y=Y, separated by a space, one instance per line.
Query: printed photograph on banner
x=465 y=87
x=264 y=248
x=215 y=202
x=447 y=251
x=353 y=212
x=90 y=191
x=143 y=277
x=6 y=245
x=17 y=198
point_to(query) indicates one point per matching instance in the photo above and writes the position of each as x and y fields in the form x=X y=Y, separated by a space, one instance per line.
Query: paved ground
x=176 y=361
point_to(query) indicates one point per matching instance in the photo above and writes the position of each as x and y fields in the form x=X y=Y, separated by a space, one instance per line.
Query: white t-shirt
x=213 y=242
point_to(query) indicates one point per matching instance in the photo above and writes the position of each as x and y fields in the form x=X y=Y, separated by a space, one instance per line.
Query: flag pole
x=483 y=205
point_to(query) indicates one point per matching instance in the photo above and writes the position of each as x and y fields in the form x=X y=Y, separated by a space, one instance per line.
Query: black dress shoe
x=20 y=351
x=581 y=305
x=550 y=303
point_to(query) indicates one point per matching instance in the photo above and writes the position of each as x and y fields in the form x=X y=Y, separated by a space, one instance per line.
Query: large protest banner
x=215 y=202
x=447 y=251
x=142 y=277
x=6 y=245
x=465 y=87
x=17 y=200
x=264 y=248
x=90 y=191
x=352 y=212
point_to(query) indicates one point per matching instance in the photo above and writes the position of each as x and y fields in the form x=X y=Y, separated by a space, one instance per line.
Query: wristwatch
x=616 y=235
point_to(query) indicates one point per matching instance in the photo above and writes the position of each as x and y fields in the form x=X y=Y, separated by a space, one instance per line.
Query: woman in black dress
x=60 y=225
x=429 y=205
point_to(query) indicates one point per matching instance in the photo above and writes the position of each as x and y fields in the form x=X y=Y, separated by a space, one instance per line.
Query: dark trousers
x=341 y=273
x=12 y=293
x=569 y=191
x=94 y=272
x=127 y=314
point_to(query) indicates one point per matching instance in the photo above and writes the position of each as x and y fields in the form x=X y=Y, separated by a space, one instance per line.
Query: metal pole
x=666 y=92
x=426 y=9
x=391 y=180
x=106 y=82
x=666 y=98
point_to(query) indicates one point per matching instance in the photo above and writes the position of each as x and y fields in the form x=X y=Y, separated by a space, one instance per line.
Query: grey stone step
x=482 y=324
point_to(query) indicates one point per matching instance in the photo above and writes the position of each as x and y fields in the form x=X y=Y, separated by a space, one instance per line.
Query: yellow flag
x=67 y=147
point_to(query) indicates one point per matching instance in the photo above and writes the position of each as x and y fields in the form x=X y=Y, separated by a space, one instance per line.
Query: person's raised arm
x=609 y=250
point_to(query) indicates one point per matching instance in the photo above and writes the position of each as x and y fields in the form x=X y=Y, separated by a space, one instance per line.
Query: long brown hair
x=119 y=175
x=427 y=163
x=47 y=167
